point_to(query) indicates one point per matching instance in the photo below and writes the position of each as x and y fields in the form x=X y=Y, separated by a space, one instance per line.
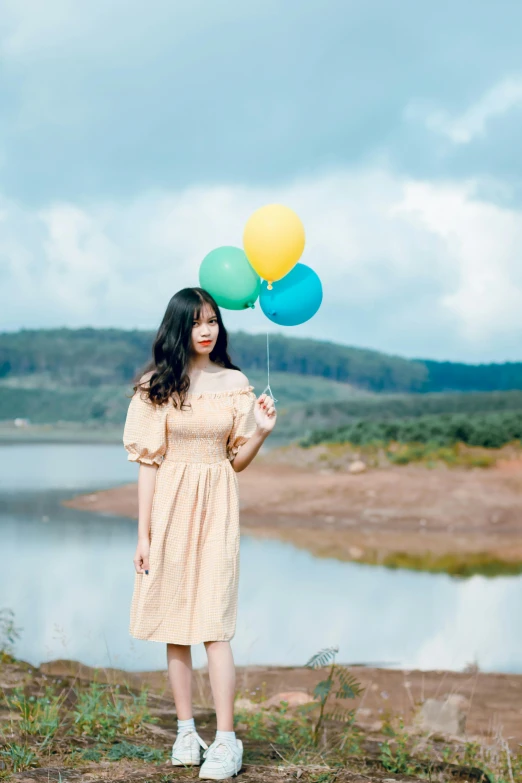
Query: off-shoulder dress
x=190 y=593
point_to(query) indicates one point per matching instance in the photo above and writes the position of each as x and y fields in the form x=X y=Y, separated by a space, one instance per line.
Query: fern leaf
x=338 y=714
x=322 y=658
x=349 y=687
x=347 y=692
x=322 y=689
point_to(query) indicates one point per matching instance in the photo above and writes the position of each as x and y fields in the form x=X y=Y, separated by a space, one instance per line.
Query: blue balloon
x=294 y=298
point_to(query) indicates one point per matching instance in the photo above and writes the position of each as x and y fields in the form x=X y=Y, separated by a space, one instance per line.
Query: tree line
x=490 y=430
x=91 y=357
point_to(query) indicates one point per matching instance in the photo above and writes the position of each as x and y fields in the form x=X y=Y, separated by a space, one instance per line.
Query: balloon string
x=267 y=387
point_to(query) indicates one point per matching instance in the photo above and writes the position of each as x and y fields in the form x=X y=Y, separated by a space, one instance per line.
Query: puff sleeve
x=244 y=424
x=145 y=431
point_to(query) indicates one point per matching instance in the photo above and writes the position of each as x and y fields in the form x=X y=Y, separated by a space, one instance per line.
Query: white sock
x=185 y=725
x=230 y=736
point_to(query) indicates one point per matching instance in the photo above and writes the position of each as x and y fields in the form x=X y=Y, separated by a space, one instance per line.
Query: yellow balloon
x=274 y=241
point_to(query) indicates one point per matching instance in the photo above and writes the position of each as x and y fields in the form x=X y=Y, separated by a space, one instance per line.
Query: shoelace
x=219 y=749
x=185 y=737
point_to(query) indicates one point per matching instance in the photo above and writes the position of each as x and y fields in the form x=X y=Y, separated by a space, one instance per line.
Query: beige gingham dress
x=190 y=593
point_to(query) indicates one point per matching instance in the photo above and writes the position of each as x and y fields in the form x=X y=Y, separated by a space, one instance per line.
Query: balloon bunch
x=273 y=242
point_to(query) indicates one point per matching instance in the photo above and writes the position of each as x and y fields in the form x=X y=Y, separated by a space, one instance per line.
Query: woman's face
x=204 y=330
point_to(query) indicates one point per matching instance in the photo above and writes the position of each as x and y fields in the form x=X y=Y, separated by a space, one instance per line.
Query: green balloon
x=226 y=274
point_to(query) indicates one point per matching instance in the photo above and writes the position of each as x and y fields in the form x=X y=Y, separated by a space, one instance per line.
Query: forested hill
x=95 y=357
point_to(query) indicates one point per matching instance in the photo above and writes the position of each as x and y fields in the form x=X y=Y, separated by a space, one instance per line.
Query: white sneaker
x=187 y=748
x=222 y=760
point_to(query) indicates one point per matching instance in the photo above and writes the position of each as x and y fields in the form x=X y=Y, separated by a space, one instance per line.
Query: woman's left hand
x=265 y=413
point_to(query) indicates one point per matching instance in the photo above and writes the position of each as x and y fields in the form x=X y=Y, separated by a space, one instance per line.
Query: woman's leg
x=222 y=675
x=179 y=669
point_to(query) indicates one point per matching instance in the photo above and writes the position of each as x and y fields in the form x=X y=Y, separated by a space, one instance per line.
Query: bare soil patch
x=457 y=520
x=493 y=717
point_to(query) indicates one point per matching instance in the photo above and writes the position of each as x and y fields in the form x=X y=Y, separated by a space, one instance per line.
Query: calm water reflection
x=68 y=576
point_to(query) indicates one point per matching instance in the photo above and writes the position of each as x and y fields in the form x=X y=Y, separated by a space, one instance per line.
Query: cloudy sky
x=135 y=137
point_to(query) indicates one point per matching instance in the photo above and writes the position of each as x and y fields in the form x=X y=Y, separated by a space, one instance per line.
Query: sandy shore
x=457 y=520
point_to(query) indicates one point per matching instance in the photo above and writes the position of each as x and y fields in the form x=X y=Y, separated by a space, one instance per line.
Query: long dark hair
x=171 y=349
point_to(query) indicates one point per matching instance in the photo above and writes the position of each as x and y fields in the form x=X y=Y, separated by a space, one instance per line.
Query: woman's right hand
x=141 y=558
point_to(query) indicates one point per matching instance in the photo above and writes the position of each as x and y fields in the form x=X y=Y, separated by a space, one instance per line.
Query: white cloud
x=381 y=245
x=483 y=246
x=471 y=631
x=463 y=128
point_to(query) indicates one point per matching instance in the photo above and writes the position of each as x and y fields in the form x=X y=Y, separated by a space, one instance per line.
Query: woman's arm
x=265 y=416
x=146 y=485
x=249 y=449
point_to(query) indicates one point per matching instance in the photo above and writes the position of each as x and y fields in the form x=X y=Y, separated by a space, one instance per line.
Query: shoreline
x=458 y=521
x=51 y=433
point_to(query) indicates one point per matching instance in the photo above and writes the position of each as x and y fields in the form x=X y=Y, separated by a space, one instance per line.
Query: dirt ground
x=455 y=513
x=494 y=700
x=492 y=711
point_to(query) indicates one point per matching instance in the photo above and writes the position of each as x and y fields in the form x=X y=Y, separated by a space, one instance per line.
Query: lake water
x=68 y=576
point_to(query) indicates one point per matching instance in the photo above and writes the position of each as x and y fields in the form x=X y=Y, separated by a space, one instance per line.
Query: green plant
x=353 y=737
x=398 y=759
x=9 y=633
x=322 y=777
x=424 y=433
x=281 y=728
x=339 y=681
x=102 y=714
x=91 y=754
x=18 y=757
x=39 y=716
x=255 y=722
x=292 y=730
x=126 y=750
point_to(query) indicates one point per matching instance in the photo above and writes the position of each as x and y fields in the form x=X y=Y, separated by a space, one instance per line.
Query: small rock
x=357 y=466
x=364 y=712
x=458 y=700
x=355 y=552
x=446 y=716
x=294 y=699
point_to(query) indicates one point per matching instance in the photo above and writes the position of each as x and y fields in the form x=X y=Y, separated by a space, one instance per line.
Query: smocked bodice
x=210 y=428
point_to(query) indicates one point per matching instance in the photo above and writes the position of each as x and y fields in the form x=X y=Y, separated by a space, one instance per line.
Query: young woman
x=192 y=425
